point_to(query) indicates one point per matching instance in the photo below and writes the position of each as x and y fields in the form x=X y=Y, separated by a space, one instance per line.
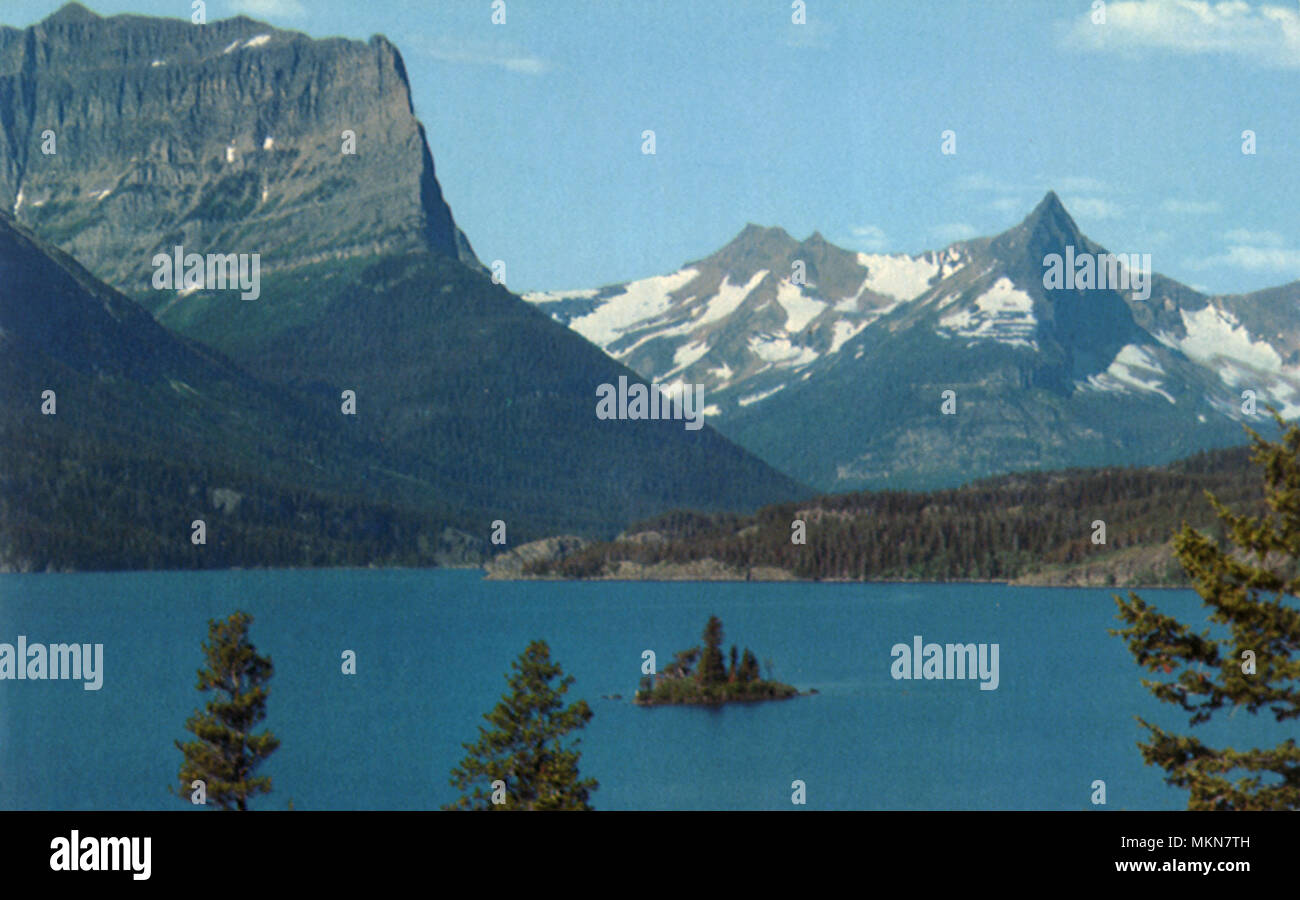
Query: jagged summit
x=752 y=233
x=753 y=249
x=859 y=351
x=1048 y=228
x=1050 y=213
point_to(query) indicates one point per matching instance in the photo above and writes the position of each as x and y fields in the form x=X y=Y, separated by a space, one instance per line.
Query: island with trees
x=713 y=682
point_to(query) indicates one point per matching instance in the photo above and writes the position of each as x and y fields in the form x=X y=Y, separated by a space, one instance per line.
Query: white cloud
x=1260 y=251
x=1241 y=236
x=870 y=237
x=1269 y=259
x=954 y=231
x=1008 y=198
x=1267 y=34
x=1093 y=208
x=1190 y=207
x=283 y=8
x=483 y=54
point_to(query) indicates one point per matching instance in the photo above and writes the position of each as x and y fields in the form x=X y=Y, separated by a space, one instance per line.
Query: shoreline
x=1018 y=583
x=724 y=701
x=489 y=574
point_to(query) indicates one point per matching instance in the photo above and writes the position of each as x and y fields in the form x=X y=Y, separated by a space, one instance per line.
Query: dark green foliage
x=525 y=745
x=681 y=665
x=999 y=529
x=88 y=503
x=153 y=431
x=150 y=424
x=1249 y=583
x=712 y=668
x=227 y=753
x=677 y=685
x=433 y=349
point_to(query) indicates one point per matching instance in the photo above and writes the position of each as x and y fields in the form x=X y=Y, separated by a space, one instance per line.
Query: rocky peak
x=1047 y=229
x=225 y=138
x=755 y=248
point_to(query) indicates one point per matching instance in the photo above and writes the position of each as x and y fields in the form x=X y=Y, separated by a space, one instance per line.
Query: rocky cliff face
x=225 y=138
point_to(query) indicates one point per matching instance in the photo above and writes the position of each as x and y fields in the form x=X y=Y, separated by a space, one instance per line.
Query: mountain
x=147 y=432
x=737 y=321
x=856 y=359
x=225 y=139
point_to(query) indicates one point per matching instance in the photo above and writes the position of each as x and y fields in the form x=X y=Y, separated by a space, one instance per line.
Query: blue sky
x=835 y=125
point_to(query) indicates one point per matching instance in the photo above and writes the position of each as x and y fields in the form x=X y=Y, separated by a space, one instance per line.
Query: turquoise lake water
x=433 y=648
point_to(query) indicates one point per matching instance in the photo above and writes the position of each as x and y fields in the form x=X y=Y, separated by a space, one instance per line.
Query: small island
x=714 y=682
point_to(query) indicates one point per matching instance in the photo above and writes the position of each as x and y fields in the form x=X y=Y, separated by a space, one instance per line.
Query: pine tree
x=712 y=668
x=1254 y=666
x=525 y=748
x=749 y=666
x=732 y=670
x=226 y=754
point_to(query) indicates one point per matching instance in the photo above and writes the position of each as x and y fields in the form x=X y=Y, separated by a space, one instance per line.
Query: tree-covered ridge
x=88 y=503
x=713 y=681
x=1003 y=528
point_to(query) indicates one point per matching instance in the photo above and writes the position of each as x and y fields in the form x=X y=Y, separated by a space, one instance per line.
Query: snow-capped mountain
x=761 y=313
x=832 y=365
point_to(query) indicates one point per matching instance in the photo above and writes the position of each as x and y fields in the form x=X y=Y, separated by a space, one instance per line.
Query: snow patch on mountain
x=781 y=351
x=762 y=395
x=729 y=297
x=1213 y=333
x=900 y=277
x=843 y=332
x=556 y=296
x=639 y=301
x=687 y=355
x=952 y=262
x=723 y=373
x=1132 y=368
x=799 y=309
x=1002 y=313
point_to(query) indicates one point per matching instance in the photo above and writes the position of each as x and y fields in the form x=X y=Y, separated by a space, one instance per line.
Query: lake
x=433 y=648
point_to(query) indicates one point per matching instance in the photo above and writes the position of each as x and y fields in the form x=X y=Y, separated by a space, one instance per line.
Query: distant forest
x=89 y=504
x=1000 y=529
